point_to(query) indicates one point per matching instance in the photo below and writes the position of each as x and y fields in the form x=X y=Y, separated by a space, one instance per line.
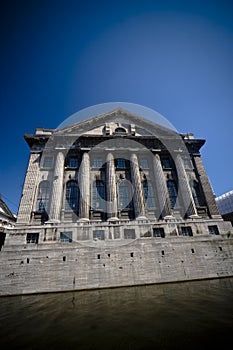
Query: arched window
x=195 y=192
x=172 y=191
x=43 y=196
x=148 y=194
x=71 y=201
x=120 y=130
x=98 y=195
x=124 y=197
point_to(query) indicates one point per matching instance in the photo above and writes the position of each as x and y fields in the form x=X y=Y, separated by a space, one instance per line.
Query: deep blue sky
x=58 y=57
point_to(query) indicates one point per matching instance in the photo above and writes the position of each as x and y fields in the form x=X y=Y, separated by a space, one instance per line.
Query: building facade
x=7 y=220
x=225 y=205
x=115 y=189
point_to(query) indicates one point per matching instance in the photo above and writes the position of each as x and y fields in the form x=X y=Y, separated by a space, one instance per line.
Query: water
x=191 y=315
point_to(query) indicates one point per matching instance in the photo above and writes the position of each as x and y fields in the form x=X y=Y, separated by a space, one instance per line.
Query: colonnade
x=163 y=201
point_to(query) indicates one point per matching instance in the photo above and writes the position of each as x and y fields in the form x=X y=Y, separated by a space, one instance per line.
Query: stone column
x=184 y=188
x=29 y=190
x=206 y=187
x=84 y=187
x=57 y=188
x=139 y=206
x=111 y=188
x=161 y=187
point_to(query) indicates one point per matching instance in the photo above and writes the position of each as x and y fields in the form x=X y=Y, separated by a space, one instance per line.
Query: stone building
x=225 y=205
x=7 y=220
x=115 y=200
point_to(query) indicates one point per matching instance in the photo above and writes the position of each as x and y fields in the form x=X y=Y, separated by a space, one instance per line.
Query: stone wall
x=52 y=267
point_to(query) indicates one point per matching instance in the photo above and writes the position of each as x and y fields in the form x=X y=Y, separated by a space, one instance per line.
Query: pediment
x=115 y=122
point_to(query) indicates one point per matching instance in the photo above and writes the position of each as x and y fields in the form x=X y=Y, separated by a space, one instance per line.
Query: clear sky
x=58 y=57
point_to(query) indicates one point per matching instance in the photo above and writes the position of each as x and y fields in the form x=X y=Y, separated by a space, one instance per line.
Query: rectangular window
x=129 y=234
x=158 y=232
x=98 y=235
x=121 y=163
x=143 y=163
x=187 y=163
x=73 y=162
x=98 y=195
x=97 y=163
x=148 y=194
x=32 y=238
x=48 y=162
x=66 y=237
x=213 y=230
x=124 y=196
x=166 y=163
x=186 y=231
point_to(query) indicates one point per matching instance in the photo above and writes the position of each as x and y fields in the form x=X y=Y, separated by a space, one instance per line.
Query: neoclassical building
x=116 y=169
x=114 y=200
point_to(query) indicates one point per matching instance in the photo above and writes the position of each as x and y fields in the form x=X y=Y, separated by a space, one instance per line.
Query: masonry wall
x=62 y=267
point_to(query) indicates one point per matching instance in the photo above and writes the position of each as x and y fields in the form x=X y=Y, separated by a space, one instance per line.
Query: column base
x=169 y=218
x=83 y=220
x=53 y=221
x=115 y=218
x=194 y=216
x=141 y=217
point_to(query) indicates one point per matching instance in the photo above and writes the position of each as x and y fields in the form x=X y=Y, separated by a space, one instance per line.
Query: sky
x=59 y=57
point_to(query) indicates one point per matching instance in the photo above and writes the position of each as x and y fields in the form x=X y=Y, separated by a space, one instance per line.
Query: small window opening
x=162 y=252
x=28 y=260
x=64 y=258
x=192 y=250
x=98 y=256
x=131 y=254
x=220 y=248
x=109 y=255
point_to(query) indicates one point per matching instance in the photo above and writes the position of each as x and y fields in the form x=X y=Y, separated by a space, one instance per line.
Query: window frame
x=71 y=204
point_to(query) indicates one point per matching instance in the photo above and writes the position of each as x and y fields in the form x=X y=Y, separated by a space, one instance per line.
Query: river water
x=189 y=315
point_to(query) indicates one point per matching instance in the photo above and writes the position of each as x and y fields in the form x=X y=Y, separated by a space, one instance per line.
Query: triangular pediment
x=113 y=119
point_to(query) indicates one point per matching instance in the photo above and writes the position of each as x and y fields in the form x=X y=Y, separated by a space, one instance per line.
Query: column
x=206 y=187
x=29 y=190
x=57 y=188
x=184 y=188
x=111 y=188
x=161 y=187
x=84 y=187
x=138 y=199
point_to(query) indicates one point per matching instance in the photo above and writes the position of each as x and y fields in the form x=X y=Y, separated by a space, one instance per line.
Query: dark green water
x=192 y=315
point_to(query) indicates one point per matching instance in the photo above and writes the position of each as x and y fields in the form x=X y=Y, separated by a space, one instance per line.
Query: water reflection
x=170 y=316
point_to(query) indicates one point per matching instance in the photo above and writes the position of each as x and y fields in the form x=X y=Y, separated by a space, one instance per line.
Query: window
x=97 y=163
x=120 y=130
x=195 y=192
x=43 y=196
x=158 y=232
x=98 y=235
x=143 y=163
x=32 y=238
x=66 y=237
x=71 y=201
x=166 y=163
x=187 y=163
x=148 y=194
x=121 y=163
x=186 y=231
x=213 y=230
x=48 y=162
x=98 y=195
x=172 y=193
x=129 y=234
x=124 y=195
x=73 y=162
